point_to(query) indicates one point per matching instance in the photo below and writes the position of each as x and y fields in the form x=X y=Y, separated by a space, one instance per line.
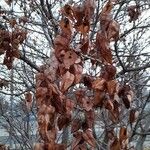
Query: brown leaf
x=85 y=46
x=126 y=94
x=28 y=97
x=87 y=81
x=89 y=138
x=90 y=118
x=63 y=121
x=133 y=116
x=79 y=95
x=75 y=125
x=133 y=12
x=115 y=145
x=23 y=19
x=67 y=81
x=67 y=10
x=109 y=104
x=78 y=69
x=113 y=31
x=77 y=139
x=69 y=105
x=99 y=84
x=123 y=134
x=111 y=87
x=41 y=91
x=99 y=96
x=108 y=72
x=103 y=48
x=87 y=104
x=70 y=58
x=66 y=27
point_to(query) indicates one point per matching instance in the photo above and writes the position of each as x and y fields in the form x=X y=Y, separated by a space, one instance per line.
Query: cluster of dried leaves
x=54 y=82
x=9 y=44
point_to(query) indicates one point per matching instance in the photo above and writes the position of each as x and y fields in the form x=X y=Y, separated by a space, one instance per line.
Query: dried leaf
x=133 y=12
x=76 y=125
x=89 y=138
x=99 y=84
x=78 y=69
x=133 y=116
x=99 y=96
x=113 y=31
x=90 y=118
x=109 y=105
x=111 y=86
x=41 y=91
x=123 y=134
x=115 y=145
x=87 y=104
x=63 y=121
x=70 y=58
x=103 y=48
x=66 y=27
x=77 y=139
x=67 y=81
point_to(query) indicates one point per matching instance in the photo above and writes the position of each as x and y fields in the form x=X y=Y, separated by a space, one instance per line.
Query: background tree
x=88 y=41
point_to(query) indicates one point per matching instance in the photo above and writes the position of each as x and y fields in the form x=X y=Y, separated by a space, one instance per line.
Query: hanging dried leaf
x=99 y=84
x=99 y=97
x=67 y=10
x=66 y=27
x=67 y=81
x=90 y=117
x=76 y=125
x=78 y=69
x=133 y=116
x=77 y=139
x=87 y=104
x=103 y=48
x=70 y=58
x=109 y=104
x=41 y=91
x=133 y=12
x=63 y=121
x=123 y=134
x=113 y=31
x=111 y=87
x=115 y=145
x=69 y=105
x=89 y=138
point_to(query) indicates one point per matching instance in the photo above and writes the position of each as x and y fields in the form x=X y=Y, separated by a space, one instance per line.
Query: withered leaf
x=66 y=27
x=111 y=86
x=87 y=104
x=63 y=121
x=98 y=98
x=41 y=91
x=103 y=48
x=115 y=145
x=67 y=81
x=113 y=31
x=133 y=12
x=133 y=116
x=77 y=139
x=90 y=117
x=78 y=69
x=99 y=84
x=109 y=104
x=76 y=125
x=69 y=58
x=89 y=138
x=123 y=134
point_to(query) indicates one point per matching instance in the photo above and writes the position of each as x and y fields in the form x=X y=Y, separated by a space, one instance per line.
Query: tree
x=95 y=58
